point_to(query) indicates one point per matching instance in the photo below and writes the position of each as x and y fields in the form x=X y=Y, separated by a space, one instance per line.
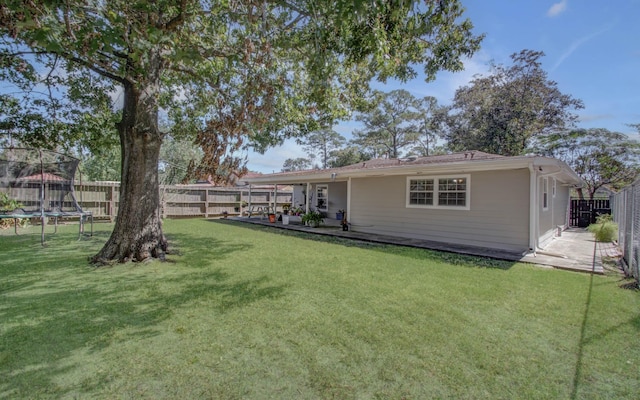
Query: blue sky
x=592 y=51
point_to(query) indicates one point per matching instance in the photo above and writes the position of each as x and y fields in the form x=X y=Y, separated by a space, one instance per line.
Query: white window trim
x=545 y=193
x=435 y=178
x=326 y=206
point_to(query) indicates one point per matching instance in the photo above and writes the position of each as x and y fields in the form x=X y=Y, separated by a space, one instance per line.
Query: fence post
x=206 y=202
x=112 y=202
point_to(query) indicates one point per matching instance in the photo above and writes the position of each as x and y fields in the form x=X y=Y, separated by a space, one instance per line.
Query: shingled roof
x=384 y=163
x=46 y=176
x=446 y=163
x=437 y=159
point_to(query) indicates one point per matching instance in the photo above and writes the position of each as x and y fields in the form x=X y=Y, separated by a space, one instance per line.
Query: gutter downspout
x=348 y=201
x=533 y=210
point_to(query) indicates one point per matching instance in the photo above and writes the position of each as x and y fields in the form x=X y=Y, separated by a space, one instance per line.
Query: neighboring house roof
x=236 y=181
x=605 y=191
x=238 y=184
x=449 y=163
x=47 y=177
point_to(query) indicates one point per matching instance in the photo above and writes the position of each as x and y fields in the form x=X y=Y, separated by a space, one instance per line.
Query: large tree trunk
x=137 y=234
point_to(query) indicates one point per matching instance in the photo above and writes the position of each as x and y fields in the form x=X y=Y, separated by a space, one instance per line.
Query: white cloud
x=557 y=9
x=479 y=64
x=576 y=44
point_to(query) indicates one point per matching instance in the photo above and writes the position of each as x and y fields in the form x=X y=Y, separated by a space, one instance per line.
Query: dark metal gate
x=584 y=212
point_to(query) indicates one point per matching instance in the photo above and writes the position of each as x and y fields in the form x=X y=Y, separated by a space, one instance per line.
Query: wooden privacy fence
x=584 y=212
x=178 y=201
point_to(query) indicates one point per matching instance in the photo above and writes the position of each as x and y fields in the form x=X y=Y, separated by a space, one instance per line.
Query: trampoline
x=42 y=181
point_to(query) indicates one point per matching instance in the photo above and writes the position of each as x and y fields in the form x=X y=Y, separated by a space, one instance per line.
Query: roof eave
x=405 y=169
x=464 y=166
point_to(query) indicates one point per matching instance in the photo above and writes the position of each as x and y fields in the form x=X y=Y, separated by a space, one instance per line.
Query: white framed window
x=421 y=191
x=322 y=197
x=553 y=188
x=443 y=192
x=545 y=193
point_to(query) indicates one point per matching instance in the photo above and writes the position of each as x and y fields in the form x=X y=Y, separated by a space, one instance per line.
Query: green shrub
x=604 y=229
x=313 y=218
x=7 y=204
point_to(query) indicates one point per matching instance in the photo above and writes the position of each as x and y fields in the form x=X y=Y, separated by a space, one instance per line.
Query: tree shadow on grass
x=398 y=249
x=584 y=339
x=199 y=250
x=55 y=307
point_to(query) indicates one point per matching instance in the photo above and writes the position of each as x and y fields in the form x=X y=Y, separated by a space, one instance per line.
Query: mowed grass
x=245 y=312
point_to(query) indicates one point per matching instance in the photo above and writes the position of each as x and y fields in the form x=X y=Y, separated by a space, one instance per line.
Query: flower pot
x=339 y=216
x=285 y=219
x=272 y=218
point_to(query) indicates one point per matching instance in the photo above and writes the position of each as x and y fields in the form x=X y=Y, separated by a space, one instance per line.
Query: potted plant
x=340 y=215
x=285 y=208
x=313 y=218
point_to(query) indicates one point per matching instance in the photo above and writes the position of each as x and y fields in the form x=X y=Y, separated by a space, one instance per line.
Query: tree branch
x=25 y=53
x=67 y=21
x=94 y=68
x=69 y=57
x=46 y=79
x=300 y=11
x=172 y=24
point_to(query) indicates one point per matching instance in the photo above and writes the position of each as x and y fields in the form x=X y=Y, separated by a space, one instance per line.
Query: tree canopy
x=228 y=74
x=430 y=127
x=322 y=142
x=347 y=156
x=599 y=156
x=503 y=112
x=296 y=164
x=390 y=125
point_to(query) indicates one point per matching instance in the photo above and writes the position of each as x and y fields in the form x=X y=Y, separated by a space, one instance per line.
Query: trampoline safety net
x=42 y=181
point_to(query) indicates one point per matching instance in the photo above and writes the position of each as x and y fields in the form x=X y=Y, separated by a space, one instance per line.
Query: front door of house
x=322 y=196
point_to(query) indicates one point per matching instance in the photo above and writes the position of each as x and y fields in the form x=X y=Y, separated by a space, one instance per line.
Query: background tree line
x=514 y=110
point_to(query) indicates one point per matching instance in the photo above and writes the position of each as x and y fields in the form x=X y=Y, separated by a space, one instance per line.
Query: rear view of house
x=471 y=198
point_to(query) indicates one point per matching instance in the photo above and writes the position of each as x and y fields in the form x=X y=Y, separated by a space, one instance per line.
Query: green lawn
x=245 y=312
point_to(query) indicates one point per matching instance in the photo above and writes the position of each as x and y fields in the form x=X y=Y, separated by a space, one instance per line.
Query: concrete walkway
x=575 y=250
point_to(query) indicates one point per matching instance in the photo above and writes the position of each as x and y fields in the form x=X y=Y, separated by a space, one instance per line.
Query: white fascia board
x=558 y=169
x=295 y=179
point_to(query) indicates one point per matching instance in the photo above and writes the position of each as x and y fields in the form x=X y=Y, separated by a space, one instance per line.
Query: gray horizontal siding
x=498 y=218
